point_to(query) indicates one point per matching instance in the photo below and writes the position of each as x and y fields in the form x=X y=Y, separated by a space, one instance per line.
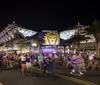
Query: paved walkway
x=14 y=77
x=90 y=76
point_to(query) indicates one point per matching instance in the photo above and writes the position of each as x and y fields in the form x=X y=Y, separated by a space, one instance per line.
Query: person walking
x=73 y=63
x=90 y=60
x=23 y=63
x=50 y=65
x=77 y=65
x=28 y=62
x=40 y=61
x=44 y=64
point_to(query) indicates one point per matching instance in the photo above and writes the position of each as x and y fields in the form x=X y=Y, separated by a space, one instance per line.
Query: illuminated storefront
x=50 y=42
x=87 y=44
x=16 y=38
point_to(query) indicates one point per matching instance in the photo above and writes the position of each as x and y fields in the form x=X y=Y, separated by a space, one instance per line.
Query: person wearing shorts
x=7 y=60
x=28 y=62
x=11 y=60
x=23 y=63
x=40 y=61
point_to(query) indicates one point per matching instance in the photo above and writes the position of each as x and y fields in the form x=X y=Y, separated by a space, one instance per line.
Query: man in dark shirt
x=50 y=65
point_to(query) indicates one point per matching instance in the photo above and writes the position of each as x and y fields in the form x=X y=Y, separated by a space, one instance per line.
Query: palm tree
x=77 y=39
x=94 y=29
x=81 y=37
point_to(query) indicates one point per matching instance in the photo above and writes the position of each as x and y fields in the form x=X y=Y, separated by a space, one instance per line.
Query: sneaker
x=7 y=66
x=71 y=73
x=11 y=66
x=81 y=73
x=23 y=74
x=73 y=70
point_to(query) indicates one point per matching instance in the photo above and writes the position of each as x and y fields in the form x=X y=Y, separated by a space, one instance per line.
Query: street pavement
x=89 y=75
x=14 y=77
x=36 y=77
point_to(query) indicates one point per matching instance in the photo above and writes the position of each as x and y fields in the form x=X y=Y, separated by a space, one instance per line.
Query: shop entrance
x=50 y=49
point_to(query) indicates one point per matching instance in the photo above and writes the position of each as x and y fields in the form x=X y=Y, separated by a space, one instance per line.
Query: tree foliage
x=77 y=38
x=94 y=29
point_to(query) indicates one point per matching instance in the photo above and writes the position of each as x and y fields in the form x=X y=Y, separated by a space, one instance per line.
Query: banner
x=49 y=37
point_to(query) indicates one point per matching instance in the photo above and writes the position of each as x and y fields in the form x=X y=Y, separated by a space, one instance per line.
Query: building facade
x=16 y=38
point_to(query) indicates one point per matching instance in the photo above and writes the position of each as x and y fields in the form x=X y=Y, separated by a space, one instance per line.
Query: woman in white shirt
x=90 y=60
x=23 y=63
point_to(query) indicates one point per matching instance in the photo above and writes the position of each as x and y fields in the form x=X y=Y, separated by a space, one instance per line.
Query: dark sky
x=58 y=15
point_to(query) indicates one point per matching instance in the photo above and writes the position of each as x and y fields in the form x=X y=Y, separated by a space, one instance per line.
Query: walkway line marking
x=75 y=80
x=70 y=78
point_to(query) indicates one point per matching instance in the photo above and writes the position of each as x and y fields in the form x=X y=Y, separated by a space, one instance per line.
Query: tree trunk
x=70 y=47
x=78 y=46
x=97 y=45
x=97 y=49
x=39 y=49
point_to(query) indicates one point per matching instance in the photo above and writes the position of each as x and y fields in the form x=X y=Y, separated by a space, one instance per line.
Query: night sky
x=58 y=15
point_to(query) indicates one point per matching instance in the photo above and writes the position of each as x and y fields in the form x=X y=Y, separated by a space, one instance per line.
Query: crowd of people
x=26 y=60
x=79 y=62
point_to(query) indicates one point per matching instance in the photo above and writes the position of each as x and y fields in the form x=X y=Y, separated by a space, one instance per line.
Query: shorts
x=74 y=66
x=16 y=60
x=23 y=62
x=11 y=59
x=28 y=64
x=40 y=62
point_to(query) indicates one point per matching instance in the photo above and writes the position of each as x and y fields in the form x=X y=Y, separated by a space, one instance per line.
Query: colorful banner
x=50 y=38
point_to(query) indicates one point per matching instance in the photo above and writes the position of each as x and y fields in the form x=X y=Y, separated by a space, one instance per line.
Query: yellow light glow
x=52 y=38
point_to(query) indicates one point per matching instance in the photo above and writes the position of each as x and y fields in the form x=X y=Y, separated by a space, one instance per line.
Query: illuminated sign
x=50 y=38
x=49 y=50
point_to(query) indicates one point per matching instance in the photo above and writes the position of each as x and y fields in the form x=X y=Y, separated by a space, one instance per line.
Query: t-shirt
x=68 y=58
x=78 y=60
x=73 y=60
x=16 y=57
x=91 y=57
x=23 y=58
x=28 y=59
x=11 y=58
x=40 y=58
x=44 y=62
